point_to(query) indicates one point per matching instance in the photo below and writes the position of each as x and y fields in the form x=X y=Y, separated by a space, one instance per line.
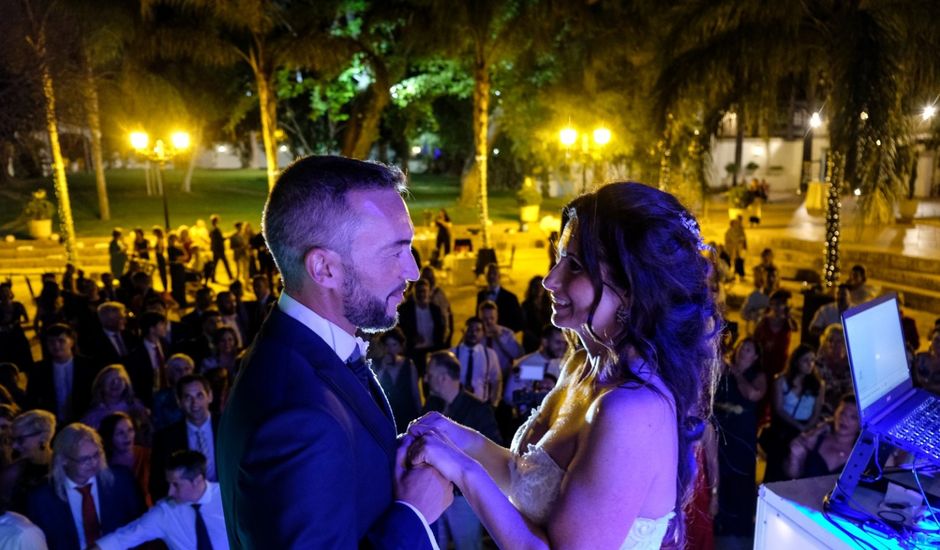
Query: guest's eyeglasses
x=20 y=439
x=86 y=460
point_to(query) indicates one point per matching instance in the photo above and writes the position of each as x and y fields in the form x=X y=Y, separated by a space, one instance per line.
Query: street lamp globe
x=180 y=140
x=139 y=140
x=602 y=136
x=568 y=136
x=815 y=121
x=928 y=112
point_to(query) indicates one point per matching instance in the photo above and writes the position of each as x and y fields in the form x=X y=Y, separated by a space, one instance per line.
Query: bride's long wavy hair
x=652 y=250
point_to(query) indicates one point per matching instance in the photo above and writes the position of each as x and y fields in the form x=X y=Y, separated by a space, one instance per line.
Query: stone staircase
x=28 y=257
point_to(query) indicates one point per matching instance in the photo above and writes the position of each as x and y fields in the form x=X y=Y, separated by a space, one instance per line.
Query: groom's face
x=380 y=262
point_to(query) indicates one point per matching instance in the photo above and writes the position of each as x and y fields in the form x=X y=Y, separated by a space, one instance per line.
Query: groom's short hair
x=307 y=208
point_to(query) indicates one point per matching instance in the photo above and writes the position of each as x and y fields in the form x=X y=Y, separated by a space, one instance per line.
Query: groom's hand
x=422 y=487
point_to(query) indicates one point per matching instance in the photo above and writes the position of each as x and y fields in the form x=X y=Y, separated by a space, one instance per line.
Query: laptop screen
x=876 y=350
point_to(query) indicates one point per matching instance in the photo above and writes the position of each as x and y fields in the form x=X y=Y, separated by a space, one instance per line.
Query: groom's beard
x=361 y=308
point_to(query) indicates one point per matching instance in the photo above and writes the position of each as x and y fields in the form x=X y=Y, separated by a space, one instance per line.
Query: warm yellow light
x=139 y=140
x=602 y=136
x=815 y=121
x=929 y=112
x=568 y=136
x=180 y=140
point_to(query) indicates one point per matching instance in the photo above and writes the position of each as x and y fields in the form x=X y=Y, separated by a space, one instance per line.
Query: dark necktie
x=468 y=380
x=202 y=534
x=357 y=364
x=89 y=515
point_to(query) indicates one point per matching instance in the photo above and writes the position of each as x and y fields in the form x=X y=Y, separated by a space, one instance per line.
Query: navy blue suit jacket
x=119 y=502
x=305 y=455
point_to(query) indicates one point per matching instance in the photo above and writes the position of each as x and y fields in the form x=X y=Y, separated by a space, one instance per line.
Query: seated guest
x=118 y=435
x=927 y=364
x=84 y=499
x=798 y=396
x=499 y=338
x=479 y=366
x=146 y=364
x=112 y=392
x=191 y=518
x=859 y=289
x=399 y=378
x=31 y=436
x=166 y=409
x=506 y=302
x=824 y=450
x=458 y=523
x=422 y=324
x=197 y=431
x=225 y=351
x=62 y=382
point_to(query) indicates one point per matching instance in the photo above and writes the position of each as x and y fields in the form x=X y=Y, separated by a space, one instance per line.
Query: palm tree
x=867 y=58
x=265 y=36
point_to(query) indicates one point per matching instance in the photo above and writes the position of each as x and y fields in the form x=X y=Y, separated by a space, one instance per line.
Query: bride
x=606 y=461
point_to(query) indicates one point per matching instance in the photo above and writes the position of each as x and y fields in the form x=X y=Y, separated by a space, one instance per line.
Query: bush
x=740 y=197
x=39 y=208
x=529 y=194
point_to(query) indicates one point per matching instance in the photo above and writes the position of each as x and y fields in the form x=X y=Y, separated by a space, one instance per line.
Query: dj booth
x=791 y=515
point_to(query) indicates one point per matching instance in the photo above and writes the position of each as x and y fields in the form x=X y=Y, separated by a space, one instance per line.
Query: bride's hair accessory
x=692 y=227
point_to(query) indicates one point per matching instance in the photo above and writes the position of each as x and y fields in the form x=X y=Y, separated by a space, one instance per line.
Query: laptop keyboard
x=921 y=428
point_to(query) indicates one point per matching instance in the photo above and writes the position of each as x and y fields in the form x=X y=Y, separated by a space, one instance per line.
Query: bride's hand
x=461 y=436
x=434 y=449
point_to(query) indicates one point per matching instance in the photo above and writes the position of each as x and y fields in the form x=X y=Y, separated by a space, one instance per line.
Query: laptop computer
x=888 y=403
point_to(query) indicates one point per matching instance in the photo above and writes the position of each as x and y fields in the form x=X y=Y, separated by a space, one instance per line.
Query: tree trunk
x=835 y=166
x=738 y=144
x=481 y=106
x=94 y=124
x=187 y=186
x=363 y=128
x=267 y=104
x=67 y=225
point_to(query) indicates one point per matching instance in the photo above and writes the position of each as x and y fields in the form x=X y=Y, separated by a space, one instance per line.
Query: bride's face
x=572 y=292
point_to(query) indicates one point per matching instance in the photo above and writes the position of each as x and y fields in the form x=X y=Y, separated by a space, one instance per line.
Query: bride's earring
x=622 y=315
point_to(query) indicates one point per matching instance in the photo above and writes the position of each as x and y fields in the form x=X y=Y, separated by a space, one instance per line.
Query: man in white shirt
x=831 y=313
x=480 y=371
x=18 y=533
x=189 y=519
x=500 y=339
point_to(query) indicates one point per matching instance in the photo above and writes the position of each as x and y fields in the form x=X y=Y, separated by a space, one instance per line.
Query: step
x=914 y=297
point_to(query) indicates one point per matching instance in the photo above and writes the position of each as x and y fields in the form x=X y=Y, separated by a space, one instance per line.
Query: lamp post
x=599 y=138
x=161 y=154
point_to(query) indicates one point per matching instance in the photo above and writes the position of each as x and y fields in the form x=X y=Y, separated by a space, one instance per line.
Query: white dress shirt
x=174 y=523
x=342 y=344
x=18 y=533
x=486 y=369
x=75 y=506
x=192 y=441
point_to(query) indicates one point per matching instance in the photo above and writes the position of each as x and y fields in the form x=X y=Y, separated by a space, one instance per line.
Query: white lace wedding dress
x=535 y=480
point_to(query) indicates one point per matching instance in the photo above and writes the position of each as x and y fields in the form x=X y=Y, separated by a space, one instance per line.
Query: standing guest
x=439 y=298
x=61 y=383
x=192 y=321
x=859 y=289
x=230 y=316
x=825 y=450
x=203 y=344
x=31 y=437
x=14 y=346
x=225 y=354
x=831 y=313
x=260 y=250
x=258 y=309
x=166 y=409
x=217 y=245
x=766 y=282
x=84 y=499
x=146 y=364
x=198 y=431
x=607 y=461
x=112 y=392
x=742 y=385
x=249 y=234
x=141 y=245
x=117 y=252
x=191 y=518
x=178 y=258
x=111 y=342
x=307 y=449
x=240 y=250
x=798 y=397
x=832 y=363
x=118 y=435
x=50 y=307
x=536 y=311
x=422 y=324
x=159 y=252
x=498 y=337
x=399 y=379
x=442 y=242
x=447 y=397
x=107 y=292
x=479 y=365
x=766 y=262
x=927 y=364
x=736 y=245
x=506 y=302
x=186 y=240
x=773 y=331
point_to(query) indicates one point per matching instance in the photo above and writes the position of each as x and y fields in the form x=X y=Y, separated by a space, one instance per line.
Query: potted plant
x=529 y=198
x=739 y=198
x=750 y=168
x=38 y=214
x=907 y=205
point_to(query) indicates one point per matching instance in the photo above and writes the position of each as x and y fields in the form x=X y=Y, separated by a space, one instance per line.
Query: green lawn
x=232 y=194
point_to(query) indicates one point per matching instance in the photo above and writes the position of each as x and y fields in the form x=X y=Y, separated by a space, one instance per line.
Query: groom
x=307 y=450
